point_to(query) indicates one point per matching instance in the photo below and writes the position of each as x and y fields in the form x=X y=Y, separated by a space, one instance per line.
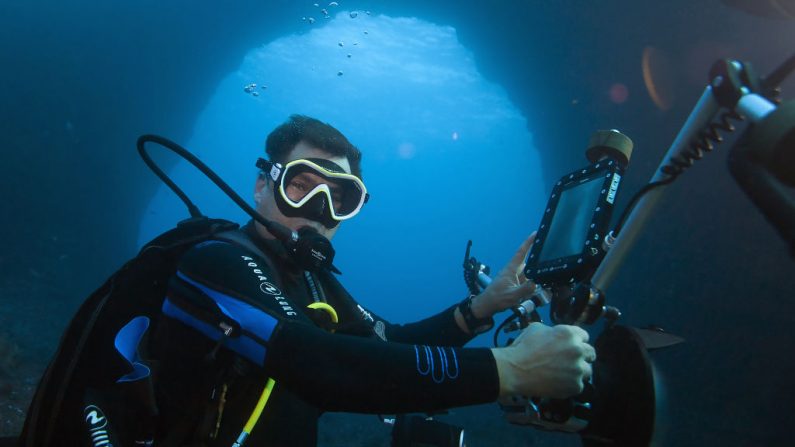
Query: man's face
x=266 y=204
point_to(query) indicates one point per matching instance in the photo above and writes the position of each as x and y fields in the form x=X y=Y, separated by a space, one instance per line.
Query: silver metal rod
x=754 y=107
x=703 y=113
x=483 y=280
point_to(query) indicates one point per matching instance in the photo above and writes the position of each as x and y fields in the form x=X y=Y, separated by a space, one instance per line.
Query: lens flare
x=619 y=93
x=657 y=77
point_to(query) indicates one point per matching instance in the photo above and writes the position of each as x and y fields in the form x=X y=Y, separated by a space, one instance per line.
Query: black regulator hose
x=314 y=245
x=182 y=152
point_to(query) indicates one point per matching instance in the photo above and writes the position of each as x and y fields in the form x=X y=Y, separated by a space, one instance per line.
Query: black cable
x=182 y=152
x=501 y=326
x=278 y=230
x=634 y=201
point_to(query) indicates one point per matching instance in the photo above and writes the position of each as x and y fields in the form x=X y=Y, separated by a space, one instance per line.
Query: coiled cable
x=704 y=142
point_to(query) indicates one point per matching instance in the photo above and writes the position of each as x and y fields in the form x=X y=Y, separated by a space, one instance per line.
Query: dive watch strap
x=474 y=325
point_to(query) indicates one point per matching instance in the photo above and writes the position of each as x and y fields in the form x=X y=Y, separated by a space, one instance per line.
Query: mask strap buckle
x=276 y=171
x=273 y=169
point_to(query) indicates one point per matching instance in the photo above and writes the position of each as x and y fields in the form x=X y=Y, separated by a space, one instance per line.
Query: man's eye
x=301 y=186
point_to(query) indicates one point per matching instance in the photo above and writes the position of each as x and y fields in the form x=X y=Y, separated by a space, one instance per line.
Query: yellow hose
x=266 y=393
x=252 y=420
x=263 y=399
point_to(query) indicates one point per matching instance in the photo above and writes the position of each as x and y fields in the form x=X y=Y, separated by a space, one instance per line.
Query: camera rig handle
x=476 y=277
x=734 y=87
x=476 y=274
x=564 y=415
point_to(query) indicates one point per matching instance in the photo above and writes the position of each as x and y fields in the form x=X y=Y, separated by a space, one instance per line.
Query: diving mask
x=316 y=189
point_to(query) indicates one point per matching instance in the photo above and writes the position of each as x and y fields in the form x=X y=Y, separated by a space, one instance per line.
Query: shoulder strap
x=240 y=239
x=183 y=429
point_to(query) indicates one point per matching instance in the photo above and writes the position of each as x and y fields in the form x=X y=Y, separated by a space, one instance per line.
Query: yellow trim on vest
x=327 y=307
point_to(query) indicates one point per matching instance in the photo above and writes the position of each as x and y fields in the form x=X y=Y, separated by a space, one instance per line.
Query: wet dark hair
x=282 y=140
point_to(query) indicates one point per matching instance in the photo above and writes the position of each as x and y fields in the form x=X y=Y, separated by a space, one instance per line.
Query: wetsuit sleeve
x=365 y=375
x=219 y=286
x=440 y=329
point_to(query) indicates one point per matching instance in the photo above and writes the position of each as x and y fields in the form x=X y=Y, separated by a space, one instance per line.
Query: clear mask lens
x=302 y=180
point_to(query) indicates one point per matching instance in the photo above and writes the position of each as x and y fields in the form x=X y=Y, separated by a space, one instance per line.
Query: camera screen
x=571 y=221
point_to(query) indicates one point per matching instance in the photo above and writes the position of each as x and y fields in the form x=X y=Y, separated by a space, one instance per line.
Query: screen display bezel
x=576 y=266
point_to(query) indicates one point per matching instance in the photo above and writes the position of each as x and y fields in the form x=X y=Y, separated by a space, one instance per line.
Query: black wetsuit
x=418 y=369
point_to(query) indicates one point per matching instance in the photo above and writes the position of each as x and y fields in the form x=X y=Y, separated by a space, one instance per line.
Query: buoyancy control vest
x=95 y=355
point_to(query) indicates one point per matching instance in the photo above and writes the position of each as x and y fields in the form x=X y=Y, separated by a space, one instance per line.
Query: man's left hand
x=509 y=288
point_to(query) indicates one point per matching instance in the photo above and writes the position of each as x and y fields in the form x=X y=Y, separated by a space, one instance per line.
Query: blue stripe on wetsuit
x=430 y=364
x=126 y=342
x=250 y=318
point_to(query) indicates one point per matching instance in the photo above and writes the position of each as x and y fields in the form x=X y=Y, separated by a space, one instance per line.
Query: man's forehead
x=305 y=150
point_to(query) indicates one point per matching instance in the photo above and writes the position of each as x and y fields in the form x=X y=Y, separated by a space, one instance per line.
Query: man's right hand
x=545 y=361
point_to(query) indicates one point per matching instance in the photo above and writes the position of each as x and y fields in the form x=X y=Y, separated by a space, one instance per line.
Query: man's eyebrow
x=309 y=177
x=334 y=186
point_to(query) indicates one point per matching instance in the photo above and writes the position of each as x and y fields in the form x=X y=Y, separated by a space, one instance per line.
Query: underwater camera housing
x=569 y=243
x=617 y=406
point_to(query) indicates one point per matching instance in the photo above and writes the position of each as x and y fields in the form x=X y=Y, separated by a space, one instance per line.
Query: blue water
x=447 y=157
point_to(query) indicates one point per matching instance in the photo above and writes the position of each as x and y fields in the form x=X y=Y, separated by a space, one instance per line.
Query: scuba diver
x=250 y=347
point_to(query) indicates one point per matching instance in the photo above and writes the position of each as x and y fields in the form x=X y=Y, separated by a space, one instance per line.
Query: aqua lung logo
x=268 y=288
x=97 y=423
